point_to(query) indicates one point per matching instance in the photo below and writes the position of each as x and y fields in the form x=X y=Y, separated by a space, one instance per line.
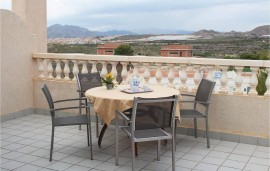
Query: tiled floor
x=25 y=144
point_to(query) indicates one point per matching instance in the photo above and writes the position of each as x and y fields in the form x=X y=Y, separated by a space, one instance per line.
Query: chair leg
x=88 y=134
x=80 y=112
x=133 y=154
x=116 y=142
x=52 y=141
x=136 y=149
x=97 y=127
x=195 y=127
x=207 y=132
x=173 y=153
x=90 y=137
x=158 y=151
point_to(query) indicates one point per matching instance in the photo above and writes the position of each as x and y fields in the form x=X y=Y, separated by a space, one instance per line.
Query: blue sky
x=143 y=16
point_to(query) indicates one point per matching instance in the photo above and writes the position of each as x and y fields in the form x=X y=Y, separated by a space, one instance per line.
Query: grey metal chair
x=202 y=97
x=83 y=119
x=149 y=119
x=87 y=81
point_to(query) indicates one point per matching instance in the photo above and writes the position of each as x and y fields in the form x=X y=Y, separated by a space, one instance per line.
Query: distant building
x=176 y=51
x=106 y=49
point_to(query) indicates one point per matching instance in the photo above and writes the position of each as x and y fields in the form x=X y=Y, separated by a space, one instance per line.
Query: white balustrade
x=171 y=74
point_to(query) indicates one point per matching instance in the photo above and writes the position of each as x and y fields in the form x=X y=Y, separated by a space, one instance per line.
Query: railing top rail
x=153 y=59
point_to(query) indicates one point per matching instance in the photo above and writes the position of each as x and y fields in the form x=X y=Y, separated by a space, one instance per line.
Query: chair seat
x=191 y=113
x=147 y=134
x=71 y=120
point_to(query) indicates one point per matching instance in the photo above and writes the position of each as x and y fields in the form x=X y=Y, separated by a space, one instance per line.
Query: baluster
x=130 y=73
x=124 y=73
x=238 y=81
x=41 y=68
x=267 y=83
x=141 y=71
x=66 y=70
x=176 y=82
x=171 y=75
x=119 y=69
x=146 y=74
x=223 y=80
x=197 y=77
x=164 y=79
x=114 y=71
x=84 y=67
x=210 y=72
x=135 y=70
x=101 y=67
x=75 y=69
x=183 y=77
x=158 y=73
x=253 y=82
x=50 y=69
x=153 y=70
x=58 y=70
x=94 y=67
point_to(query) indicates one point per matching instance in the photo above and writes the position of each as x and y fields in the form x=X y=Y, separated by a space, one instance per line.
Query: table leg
x=105 y=126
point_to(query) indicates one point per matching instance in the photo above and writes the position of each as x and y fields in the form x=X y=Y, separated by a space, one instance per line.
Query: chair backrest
x=205 y=90
x=86 y=81
x=150 y=113
x=48 y=96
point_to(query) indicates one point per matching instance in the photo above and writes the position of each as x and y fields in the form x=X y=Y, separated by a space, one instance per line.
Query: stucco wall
x=242 y=115
x=17 y=66
x=34 y=14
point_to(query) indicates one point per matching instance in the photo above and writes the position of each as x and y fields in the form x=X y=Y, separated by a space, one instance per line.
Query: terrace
x=239 y=122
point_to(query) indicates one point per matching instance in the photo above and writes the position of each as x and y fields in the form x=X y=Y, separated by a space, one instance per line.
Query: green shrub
x=124 y=50
x=262 y=76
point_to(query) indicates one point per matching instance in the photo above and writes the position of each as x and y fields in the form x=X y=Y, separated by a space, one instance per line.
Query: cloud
x=139 y=15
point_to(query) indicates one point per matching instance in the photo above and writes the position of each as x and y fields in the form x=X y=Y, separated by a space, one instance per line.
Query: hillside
x=258 y=31
x=69 y=31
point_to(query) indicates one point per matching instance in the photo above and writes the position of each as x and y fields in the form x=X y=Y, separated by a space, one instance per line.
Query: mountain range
x=70 y=31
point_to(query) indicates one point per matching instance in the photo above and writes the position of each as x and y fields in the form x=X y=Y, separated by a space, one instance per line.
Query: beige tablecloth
x=107 y=101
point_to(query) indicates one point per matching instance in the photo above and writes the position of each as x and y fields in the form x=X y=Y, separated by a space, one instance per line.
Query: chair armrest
x=202 y=102
x=192 y=101
x=190 y=95
x=123 y=115
x=73 y=107
x=65 y=100
x=188 y=101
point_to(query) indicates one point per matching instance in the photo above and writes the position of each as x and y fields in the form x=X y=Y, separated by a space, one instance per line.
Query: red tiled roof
x=177 y=47
x=108 y=45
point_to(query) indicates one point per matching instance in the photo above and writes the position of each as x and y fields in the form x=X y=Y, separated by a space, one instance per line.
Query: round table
x=105 y=101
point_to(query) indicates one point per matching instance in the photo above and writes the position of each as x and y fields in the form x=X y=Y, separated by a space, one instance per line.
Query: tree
x=124 y=50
